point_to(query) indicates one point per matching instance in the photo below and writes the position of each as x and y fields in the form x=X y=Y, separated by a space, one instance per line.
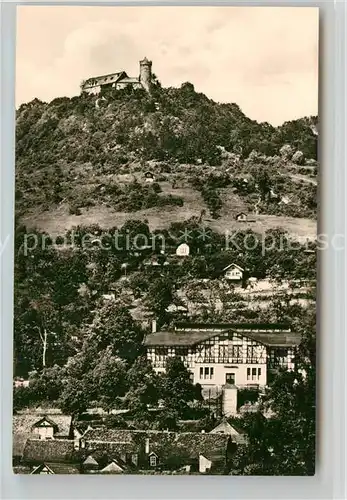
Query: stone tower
x=146 y=74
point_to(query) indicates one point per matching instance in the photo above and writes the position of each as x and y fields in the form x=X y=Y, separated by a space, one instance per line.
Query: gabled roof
x=236 y=435
x=166 y=445
x=113 y=468
x=109 y=435
x=194 y=336
x=281 y=339
x=233 y=265
x=22 y=423
x=173 y=338
x=52 y=450
x=42 y=467
x=104 y=79
x=129 y=79
x=90 y=460
x=56 y=468
x=224 y=428
x=18 y=443
x=45 y=419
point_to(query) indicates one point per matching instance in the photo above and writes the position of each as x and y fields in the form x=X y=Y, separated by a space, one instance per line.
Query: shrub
x=74 y=210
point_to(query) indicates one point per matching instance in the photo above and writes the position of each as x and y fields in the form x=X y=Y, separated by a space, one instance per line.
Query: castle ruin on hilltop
x=120 y=80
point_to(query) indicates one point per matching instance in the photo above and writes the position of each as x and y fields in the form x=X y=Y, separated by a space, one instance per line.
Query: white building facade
x=239 y=355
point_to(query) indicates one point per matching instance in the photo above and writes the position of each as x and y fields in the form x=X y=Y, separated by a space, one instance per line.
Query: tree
x=160 y=295
x=143 y=387
x=47 y=282
x=284 y=443
x=48 y=384
x=108 y=379
x=22 y=397
x=177 y=389
x=47 y=322
x=75 y=397
x=114 y=327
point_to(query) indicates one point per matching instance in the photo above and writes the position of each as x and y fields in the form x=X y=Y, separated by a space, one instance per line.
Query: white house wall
x=226 y=353
x=233 y=274
x=240 y=372
x=44 y=432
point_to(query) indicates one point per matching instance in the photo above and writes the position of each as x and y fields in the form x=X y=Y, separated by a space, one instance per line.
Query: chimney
x=154 y=325
x=147 y=446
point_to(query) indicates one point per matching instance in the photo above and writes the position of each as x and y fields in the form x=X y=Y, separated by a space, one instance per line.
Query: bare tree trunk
x=44 y=349
x=44 y=342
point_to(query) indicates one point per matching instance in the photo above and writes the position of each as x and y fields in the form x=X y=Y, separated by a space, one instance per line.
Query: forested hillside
x=88 y=153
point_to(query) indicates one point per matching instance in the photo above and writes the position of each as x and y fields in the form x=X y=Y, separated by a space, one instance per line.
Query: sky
x=265 y=59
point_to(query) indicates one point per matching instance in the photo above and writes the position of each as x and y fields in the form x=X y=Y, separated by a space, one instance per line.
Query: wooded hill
x=86 y=157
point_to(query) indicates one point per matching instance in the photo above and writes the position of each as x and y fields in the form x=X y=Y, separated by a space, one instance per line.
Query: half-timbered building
x=234 y=354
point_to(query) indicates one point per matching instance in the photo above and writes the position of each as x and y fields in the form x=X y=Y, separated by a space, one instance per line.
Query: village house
x=41 y=426
x=243 y=217
x=48 y=457
x=149 y=177
x=237 y=435
x=182 y=250
x=117 y=451
x=241 y=355
x=120 y=80
x=234 y=274
x=158 y=451
x=177 y=309
x=20 y=382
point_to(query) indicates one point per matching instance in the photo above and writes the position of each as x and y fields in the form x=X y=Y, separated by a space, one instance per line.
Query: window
x=207 y=372
x=230 y=378
x=251 y=354
x=259 y=373
x=236 y=352
x=254 y=373
x=160 y=356
x=152 y=460
x=248 y=373
x=134 y=458
x=209 y=353
x=223 y=354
